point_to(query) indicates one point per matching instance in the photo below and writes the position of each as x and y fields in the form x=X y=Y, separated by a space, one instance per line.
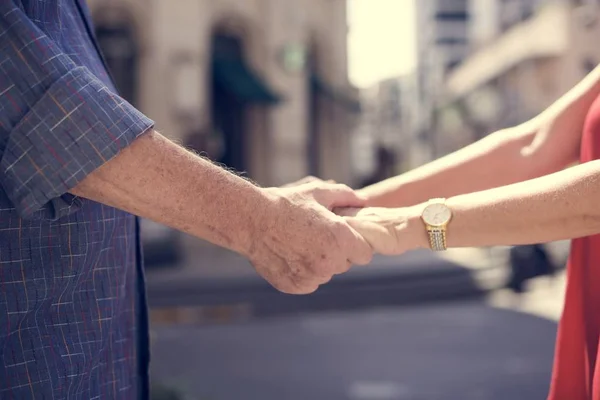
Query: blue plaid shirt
x=73 y=321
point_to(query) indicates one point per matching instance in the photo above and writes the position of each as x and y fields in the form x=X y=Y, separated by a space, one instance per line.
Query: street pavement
x=451 y=351
x=429 y=342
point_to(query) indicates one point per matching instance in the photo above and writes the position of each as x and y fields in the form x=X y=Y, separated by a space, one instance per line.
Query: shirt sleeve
x=58 y=122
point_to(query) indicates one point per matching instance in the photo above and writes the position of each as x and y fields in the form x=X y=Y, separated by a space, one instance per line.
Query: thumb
x=339 y=196
x=378 y=237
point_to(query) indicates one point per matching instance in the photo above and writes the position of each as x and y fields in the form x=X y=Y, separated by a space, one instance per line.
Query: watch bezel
x=432 y=224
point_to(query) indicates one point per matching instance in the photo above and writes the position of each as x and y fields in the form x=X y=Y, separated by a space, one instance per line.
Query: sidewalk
x=545 y=298
x=461 y=350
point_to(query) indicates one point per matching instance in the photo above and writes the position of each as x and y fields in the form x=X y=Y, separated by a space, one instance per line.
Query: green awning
x=234 y=76
x=337 y=95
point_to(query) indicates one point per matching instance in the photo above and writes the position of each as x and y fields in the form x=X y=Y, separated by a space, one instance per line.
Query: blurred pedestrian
x=526 y=262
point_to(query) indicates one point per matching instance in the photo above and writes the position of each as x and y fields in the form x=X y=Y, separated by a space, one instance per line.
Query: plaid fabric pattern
x=72 y=306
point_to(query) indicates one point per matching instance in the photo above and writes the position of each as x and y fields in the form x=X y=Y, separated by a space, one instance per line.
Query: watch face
x=436 y=214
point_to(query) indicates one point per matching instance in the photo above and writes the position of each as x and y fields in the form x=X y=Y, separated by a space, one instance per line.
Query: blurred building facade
x=258 y=85
x=524 y=55
x=388 y=125
x=491 y=18
x=442 y=44
x=401 y=112
x=483 y=65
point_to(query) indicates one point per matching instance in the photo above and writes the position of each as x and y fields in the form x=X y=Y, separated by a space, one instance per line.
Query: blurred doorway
x=329 y=104
x=236 y=90
x=314 y=115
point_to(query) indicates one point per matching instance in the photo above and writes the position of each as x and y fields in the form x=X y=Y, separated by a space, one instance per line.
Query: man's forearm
x=159 y=180
x=494 y=161
x=563 y=205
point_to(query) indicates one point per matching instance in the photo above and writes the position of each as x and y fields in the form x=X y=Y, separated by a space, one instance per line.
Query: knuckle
x=311 y=289
x=343 y=188
x=297 y=275
x=366 y=257
x=283 y=286
x=317 y=266
x=298 y=287
x=325 y=280
x=330 y=265
x=329 y=268
x=293 y=290
x=293 y=272
x=294 y=278
x=287 y=286
x=290 y=278
x=344 y=266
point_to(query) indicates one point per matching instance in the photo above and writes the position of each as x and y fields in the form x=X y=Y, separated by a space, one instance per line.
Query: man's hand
x=307 y=179
x=301 y=244
x=389 y=231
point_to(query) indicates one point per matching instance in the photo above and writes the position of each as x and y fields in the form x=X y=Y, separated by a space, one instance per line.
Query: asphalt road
x=453 y=351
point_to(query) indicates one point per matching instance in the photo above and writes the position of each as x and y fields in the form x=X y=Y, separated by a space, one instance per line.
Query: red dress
x=576 y=373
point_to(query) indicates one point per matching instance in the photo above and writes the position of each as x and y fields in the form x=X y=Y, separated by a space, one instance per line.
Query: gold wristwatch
x=436 y=215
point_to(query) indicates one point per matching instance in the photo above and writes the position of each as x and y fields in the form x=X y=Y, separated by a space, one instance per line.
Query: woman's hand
x=389 y=231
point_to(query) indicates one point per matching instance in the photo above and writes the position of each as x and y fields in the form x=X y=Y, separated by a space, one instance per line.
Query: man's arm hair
x=157 y=179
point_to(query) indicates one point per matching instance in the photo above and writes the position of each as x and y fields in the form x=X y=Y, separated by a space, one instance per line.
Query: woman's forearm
x=563 y=205
x=501 y=158
x=493 y=161
x=576 y=102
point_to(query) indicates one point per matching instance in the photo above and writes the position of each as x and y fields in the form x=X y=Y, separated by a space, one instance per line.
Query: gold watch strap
x=437 y=238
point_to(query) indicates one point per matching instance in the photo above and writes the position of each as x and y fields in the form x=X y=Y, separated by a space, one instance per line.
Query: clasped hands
x=313 y=230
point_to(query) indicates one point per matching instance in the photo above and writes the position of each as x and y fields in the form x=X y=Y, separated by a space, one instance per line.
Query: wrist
x=391 y=193
x=412 y=229
x=368 y=194
x=260 y=212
